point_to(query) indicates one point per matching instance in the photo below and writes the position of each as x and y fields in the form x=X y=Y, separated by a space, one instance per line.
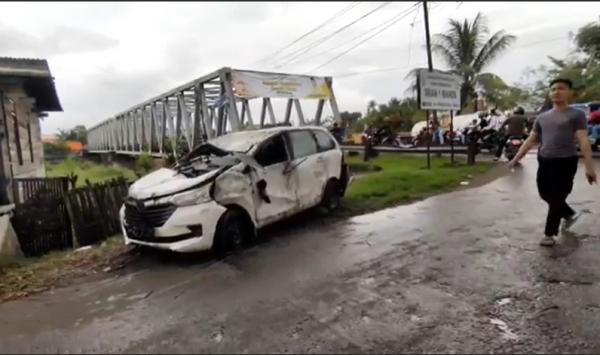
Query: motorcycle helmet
x=519 y=111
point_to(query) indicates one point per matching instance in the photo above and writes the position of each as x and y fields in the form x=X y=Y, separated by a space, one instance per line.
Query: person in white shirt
x=496 y=120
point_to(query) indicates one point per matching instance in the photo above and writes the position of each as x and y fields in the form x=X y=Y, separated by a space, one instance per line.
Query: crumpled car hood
x=166 y=182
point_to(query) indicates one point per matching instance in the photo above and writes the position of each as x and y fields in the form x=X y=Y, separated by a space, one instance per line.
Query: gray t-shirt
x=556 y=132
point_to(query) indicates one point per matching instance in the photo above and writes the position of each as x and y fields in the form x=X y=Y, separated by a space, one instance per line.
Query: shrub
x=144 y=163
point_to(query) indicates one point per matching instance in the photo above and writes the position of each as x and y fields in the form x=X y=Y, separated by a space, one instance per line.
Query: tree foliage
x=78 y=133
x=499 y=94
x=468 y=49
x=588 y=39
x=349 y=119
x=582 y=67
x=398 y=114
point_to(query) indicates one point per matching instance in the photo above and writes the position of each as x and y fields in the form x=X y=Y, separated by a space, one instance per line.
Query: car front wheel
x=234 y=233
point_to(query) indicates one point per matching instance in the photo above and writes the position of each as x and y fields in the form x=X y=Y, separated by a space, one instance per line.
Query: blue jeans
x=440 y=134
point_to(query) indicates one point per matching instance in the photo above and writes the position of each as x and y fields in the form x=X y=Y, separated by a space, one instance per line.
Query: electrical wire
x=412 y=27
x=303 y=50
x=323 y=24
x=347 y=75
x=359 y=36
x=363 y=41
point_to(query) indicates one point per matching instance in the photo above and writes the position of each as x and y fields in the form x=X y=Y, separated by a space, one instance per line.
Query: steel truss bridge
x=207 y=107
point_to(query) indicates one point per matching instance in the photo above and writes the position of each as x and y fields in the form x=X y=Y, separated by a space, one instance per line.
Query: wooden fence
x=94 y=210
x=26 y=189
x=52 y=215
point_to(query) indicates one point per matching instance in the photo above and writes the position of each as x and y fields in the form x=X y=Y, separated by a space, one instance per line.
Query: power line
x=412 y=27
x=323 y=24
x=365 y=40
x=359 y=36
x=397 y=17
x=316 y=43
x=294 y=55
x=542 y=41
x=347 y=75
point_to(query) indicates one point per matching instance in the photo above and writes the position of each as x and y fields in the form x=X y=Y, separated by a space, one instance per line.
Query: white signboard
x=438 y=91
x=248 y=84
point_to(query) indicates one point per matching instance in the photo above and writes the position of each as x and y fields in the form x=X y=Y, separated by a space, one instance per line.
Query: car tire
x=233 y=233
x=332 y=196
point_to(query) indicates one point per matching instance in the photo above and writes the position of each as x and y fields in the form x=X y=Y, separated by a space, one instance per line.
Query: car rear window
x=324 y=142
x=303 y=143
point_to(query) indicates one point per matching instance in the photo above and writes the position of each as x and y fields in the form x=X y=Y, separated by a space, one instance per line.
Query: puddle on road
x=503 y=301
x=507 y=334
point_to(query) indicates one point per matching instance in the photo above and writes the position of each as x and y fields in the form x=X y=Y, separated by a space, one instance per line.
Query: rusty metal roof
x=37 y=80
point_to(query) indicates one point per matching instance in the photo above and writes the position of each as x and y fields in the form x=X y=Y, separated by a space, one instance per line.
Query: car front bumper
x=188 y=229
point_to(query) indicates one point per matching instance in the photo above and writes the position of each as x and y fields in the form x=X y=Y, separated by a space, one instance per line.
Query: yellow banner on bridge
x=249 y=84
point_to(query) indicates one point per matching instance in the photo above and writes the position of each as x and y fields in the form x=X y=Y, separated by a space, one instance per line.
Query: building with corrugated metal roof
x=27 y=93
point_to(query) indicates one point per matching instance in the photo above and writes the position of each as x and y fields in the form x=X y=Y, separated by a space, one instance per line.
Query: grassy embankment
x=88 y=170
x=404 y=179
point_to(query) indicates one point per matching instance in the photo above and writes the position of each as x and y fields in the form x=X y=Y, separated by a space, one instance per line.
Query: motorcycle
x=513 y=144
x=381 y=137
x=489 y=140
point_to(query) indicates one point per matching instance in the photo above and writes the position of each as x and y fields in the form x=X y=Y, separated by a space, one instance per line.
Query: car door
x=330 y=156
x=275 y=189
x=307 y=167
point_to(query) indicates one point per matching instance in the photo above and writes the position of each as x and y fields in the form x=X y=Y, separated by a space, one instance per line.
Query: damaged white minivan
x=218 y=195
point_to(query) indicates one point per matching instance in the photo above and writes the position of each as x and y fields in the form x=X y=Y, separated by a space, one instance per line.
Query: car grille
x=152 y=216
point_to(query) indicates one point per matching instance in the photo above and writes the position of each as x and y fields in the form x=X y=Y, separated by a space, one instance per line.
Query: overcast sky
x=107 y=57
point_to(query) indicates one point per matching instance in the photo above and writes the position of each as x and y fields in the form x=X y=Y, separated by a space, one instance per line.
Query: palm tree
x=467 y=51
x=372 y=106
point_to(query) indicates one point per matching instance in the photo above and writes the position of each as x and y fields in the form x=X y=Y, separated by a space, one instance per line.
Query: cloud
x=58 y=41
x=63 y=39
x=107 y=57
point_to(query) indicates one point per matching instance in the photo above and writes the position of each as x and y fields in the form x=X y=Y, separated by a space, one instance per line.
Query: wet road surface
x=460 y=272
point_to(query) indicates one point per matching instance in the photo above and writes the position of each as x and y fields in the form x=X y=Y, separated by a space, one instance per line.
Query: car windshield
x=239 y=142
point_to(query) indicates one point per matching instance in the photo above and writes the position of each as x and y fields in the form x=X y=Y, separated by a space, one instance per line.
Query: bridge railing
x=207 y=107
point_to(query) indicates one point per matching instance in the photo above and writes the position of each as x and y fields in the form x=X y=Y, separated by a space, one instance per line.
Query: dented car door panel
x=235 y=188
x=312 y=171
x=275 y=188
x=280 y=188
x=311 y=177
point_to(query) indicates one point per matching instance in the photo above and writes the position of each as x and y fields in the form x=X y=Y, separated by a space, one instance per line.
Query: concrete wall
x=31 y=163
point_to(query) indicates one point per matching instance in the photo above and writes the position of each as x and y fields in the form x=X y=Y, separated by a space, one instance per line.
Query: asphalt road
x=460 y=272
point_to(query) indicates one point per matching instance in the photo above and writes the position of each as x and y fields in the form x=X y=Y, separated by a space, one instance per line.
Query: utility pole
x=430 y=65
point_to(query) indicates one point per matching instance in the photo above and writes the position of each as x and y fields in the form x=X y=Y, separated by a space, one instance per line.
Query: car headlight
x=193 y=197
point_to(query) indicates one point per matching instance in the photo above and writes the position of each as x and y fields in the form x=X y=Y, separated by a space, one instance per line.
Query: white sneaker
x=547 y=241
x=569 y=222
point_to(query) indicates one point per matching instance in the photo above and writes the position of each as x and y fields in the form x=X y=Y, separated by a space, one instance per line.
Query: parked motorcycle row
x=486 y=139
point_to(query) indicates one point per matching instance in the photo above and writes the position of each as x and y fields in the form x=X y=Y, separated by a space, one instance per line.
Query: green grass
x=88 y=170
x=404 y=179
x=23 y=276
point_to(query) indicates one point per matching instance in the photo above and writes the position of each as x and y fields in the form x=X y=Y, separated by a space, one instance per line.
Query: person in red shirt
x=595 y=117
